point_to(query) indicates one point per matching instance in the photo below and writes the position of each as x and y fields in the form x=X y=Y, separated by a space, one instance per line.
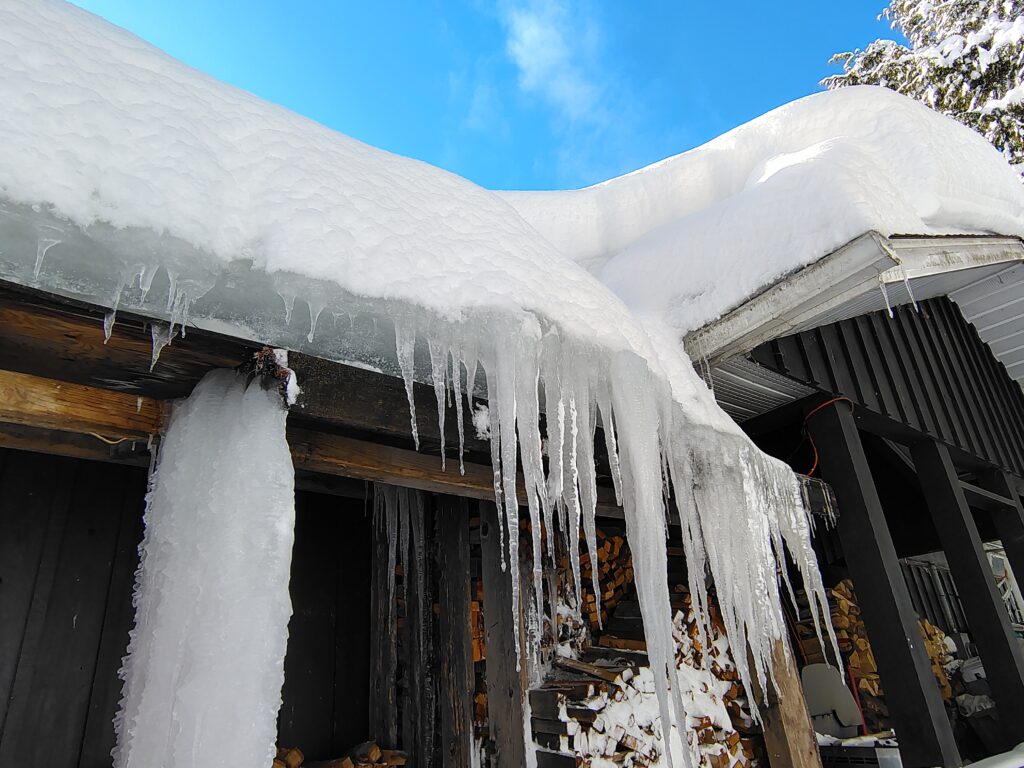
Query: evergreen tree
x=966 y=59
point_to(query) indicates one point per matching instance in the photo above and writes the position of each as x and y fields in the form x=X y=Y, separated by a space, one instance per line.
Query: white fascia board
x=794 y=300
x=926 y=256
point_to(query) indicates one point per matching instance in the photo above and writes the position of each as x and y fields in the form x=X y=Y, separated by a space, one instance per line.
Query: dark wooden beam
x=986 y=614
x=47 y=337
x=925 y=736
x=454 y=641
x=60 y=341
x=506 y=685
x=788 y=732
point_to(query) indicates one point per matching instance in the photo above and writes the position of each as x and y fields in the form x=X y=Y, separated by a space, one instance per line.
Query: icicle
x=586 y=472
x=405 y=344
x=314 y=318
x=204 y=669
x=43 y=244
x=108 y=324
x=608 y=424
x=571 y=498
x=885 y=296
x=457 y=387
x=910 y=292
x=503 y=384
x=161 y=334
x=438 y=375
x=556 y=434
x=289 y=306
x=533 y=471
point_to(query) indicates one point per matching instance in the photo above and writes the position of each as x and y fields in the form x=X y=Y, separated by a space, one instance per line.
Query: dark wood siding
x=69 y=532
x=69 y=536
x=927 y=369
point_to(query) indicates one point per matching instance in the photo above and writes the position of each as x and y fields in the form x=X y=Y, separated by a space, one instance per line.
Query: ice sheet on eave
x=120 y=165
x=693 y=236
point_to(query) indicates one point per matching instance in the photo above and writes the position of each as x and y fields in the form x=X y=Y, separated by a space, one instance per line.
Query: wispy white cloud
x=549 y=48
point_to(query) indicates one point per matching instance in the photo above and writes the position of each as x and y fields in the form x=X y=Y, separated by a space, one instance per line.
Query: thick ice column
x=205 y=664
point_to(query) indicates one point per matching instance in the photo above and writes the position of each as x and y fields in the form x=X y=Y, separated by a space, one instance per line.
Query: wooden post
x=986 y=613
x=925 y=736
x=506 y=688
x=455 y=641
x=418 y=679
x=788 y=732
x=383 y=712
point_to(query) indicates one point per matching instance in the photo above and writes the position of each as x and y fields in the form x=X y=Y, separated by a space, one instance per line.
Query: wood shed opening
x=325 y=699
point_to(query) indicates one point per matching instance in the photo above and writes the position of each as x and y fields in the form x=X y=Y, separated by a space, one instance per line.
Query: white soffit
x=982 y=274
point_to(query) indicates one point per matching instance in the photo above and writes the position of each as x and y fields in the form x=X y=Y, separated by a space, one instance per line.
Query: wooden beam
x=506 y=685
x=454 y=640
x=986 y=614
x=59 y=341
x=788 y=732
x=349 y=457
x=925 y=736
x=62 y=405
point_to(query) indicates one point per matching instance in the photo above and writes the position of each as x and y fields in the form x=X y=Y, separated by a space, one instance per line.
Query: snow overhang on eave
x=983 y=274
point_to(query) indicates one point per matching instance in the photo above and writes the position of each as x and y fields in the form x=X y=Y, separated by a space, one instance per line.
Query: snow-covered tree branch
x=966 y=59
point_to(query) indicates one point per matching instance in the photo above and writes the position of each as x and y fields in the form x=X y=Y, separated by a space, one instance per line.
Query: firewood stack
x=366 y=755
x=940 y=655
x=599 y=707
x=615 y=575
x=858 y=658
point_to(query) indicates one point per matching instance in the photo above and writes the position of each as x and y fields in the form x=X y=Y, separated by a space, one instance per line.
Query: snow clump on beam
x=121 y=168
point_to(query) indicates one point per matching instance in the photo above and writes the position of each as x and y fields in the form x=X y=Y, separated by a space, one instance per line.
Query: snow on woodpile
x=691 y=237
x=122 y=170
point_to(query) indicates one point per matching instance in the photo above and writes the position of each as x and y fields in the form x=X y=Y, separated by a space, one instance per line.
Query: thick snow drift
x=205 y=664
x=695 y=235
x=127 y=178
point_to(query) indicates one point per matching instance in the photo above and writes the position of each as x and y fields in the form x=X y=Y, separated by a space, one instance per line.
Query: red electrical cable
x=813 y=411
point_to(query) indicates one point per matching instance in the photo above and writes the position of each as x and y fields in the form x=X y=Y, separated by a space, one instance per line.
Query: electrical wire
x=841 y=398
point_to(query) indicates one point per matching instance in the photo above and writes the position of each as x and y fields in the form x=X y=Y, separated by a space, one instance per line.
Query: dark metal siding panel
x=925 y=368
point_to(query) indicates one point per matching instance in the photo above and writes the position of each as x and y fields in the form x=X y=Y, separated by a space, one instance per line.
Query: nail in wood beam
x=506 y=688
x=915 y=704
x=455 y=641
x=986 y=614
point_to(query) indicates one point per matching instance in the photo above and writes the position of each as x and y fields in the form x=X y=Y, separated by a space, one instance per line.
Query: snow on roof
x=693 y=236
x=99 y=126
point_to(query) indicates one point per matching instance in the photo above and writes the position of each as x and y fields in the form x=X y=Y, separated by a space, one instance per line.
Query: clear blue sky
x=517 y=94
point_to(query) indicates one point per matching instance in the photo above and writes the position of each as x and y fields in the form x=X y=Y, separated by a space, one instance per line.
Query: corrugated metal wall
x=927 y=369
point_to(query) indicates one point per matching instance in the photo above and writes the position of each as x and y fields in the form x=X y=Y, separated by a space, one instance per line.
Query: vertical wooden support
x=788 y=732
x=383 y=712
x=418 y=679
x=986 y=614
x=925 y=736
x=455 y=642
x=506 y=688
x=1009 y=521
